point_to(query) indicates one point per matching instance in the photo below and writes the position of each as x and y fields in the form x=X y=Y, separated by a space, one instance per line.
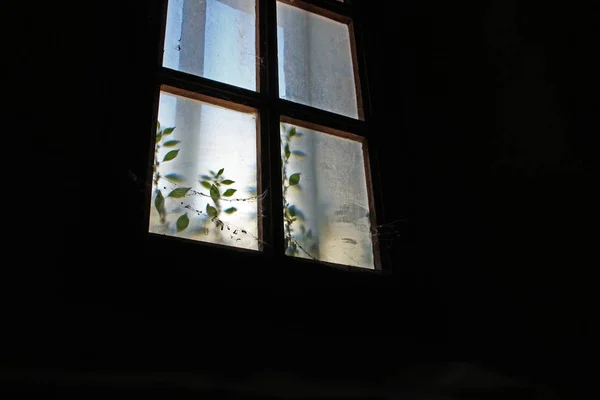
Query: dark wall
x=491 y=106
x=483 y=117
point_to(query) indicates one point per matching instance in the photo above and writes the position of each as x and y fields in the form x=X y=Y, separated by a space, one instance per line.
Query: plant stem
x=288 y=222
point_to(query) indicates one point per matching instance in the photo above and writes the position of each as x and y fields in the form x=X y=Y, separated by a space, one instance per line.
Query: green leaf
x=227 y=182
x=220 y=172
x=213 y=173
x=179 y=193
x=171 y=143
x=206 y=177
x=205 y=184
x=158 y=125
x=182 y=222
x=214 y=193
x=159 y=203
x=211 y=211
x=292 y=131
x=287 y=151
x=294 y=179
x=231 y=210
x=168 y=131
x=177 y=178
x=294 y=212
x=158 y=136
x=229 y=192
x=171 y=155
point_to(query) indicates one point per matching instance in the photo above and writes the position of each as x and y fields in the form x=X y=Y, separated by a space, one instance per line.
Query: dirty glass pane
x=326 y=206
x=315 y=56
x=205 y=173
x=215 y=39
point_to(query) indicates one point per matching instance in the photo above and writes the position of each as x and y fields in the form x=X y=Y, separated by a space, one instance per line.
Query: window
x=261 y=134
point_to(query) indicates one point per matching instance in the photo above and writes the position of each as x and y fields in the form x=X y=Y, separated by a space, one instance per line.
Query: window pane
x=205 y=183
x=315 y=56
x=215 y=39
x=326 y=203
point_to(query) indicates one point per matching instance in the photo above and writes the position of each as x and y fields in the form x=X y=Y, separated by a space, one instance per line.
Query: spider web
x=385 y=235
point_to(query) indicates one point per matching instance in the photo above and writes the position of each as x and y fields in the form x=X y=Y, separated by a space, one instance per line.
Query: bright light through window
x=205 y=183
x=214 y=39
x=315 y=61
x=326 y=202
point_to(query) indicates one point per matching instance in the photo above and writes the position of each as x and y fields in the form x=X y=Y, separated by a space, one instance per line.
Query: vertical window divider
x=269 y=132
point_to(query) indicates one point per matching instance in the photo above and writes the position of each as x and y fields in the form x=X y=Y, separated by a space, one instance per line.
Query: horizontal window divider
x=233 y=94
x=324 y=118
x=209 y=87
x=336 y=266
x=191 y=244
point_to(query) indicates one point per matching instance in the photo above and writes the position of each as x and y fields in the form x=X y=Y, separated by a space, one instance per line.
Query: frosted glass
x=315 y=56
x=215 y=39
x=326 y=202
x=208 y=140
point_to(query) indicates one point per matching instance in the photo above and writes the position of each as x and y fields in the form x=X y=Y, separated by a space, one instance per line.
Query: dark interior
x=484 y=115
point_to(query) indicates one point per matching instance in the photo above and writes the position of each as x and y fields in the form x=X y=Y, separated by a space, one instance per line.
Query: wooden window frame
x=273 y=110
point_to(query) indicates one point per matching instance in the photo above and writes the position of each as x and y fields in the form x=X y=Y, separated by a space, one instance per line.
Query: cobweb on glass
x=385 y=236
